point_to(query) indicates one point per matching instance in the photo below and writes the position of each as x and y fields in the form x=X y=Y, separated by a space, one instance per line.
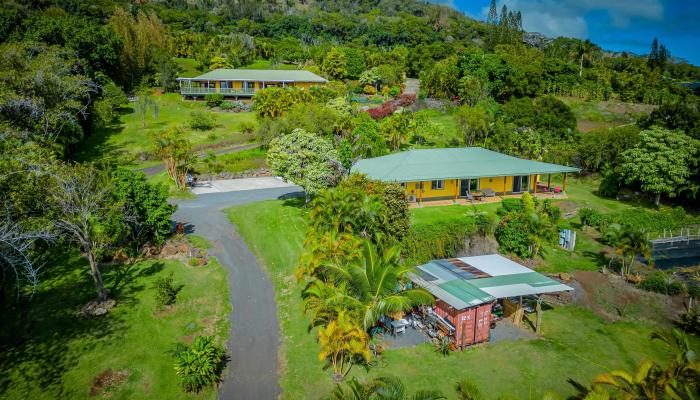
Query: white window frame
x=438 y=184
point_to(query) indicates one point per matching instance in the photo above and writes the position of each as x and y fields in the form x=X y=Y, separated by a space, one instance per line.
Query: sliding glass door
x=521 y=184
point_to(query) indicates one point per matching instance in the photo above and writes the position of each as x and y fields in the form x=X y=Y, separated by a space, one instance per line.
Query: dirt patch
x=614 y=299
x=107 y=379
x=587 y=126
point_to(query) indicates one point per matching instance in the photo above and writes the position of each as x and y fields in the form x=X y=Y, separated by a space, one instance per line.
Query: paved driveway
x=235 y=185
x=252 y=372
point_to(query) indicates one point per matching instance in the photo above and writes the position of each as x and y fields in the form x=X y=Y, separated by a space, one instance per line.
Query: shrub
x=442 y=239
x=690 y=321
x=486 y=224
x=552 y=211
x=509 y=206
x=394 y=91
x=661 y=282
x=369 y=89
x=199 y=365
x=609 y=186
x=247 y=127
x=512 y=234
x=590 y=217
x=214 y=99
x=235 y=106
x=166 y=292
x=406 y=99
x=382 y=111
x=202 y=121
x=443 y=346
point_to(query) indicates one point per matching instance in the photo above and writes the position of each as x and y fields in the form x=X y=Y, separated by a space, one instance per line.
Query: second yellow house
x=441 y=174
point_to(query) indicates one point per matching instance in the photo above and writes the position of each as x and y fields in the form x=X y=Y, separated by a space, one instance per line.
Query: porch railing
x=202 y=91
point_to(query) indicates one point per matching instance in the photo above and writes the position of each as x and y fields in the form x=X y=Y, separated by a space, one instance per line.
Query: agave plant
x=199 y=365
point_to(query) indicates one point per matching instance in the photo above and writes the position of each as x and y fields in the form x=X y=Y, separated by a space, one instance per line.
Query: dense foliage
x=200 y=364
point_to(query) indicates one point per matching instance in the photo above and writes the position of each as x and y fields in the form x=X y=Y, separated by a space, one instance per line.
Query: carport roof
x=470 y=281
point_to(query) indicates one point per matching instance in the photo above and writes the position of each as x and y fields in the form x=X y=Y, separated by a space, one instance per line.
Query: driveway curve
x=254 y=337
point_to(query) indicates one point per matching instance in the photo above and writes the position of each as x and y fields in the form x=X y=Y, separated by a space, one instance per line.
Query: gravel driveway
x=252 y=372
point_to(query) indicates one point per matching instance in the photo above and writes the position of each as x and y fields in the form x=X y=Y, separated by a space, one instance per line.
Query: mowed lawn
x=127 y=138
x=576 y=343
x=57 y=354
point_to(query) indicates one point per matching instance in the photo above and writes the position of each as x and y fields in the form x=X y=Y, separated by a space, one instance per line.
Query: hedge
x=442 y=239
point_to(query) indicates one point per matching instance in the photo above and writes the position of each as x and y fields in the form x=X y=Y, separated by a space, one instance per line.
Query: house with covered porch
x=462 y=173
x=243 y=83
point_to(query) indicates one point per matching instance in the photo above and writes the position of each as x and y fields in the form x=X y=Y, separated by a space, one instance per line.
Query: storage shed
x=466 y=288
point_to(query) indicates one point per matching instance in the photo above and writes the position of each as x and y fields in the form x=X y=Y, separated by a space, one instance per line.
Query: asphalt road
x=254 y=337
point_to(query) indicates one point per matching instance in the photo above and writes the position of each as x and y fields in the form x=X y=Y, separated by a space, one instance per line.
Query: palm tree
x=467 y=390
x=382 y=388
x=330 y=247
x=584 y=50
x=632 y=243
x=342 y=341
x=679 y=380
x=324 y=301
x=375 y=279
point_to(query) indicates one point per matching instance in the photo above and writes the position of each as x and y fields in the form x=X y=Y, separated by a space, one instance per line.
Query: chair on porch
x=488 y=192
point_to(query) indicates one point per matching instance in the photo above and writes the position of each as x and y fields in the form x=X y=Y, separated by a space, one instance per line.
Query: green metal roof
x=467 y=293
x=451 y=163
x=533 y=279
x=267 y=75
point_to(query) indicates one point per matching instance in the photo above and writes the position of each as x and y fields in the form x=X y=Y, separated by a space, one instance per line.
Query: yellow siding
x=217 y=85
x=237 y=85
x=496 y=183
x=450 y=189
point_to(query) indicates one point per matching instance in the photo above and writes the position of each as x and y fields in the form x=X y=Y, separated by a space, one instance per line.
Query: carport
x=466 y=289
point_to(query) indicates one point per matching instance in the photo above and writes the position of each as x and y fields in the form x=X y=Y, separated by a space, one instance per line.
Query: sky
x=615 y=25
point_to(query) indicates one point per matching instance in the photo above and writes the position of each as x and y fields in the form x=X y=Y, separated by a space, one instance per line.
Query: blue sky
x=613 y=24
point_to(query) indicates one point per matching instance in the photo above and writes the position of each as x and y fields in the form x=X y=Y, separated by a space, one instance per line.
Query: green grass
x=188 y=67
x=576 y=343
x=127 y=138
x=447 y=128
x=57 y=354
x=199 y=241
x=240 y=161
x=593 y=115
x=267 y=64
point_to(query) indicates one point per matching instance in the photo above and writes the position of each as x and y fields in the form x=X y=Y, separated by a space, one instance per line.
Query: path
x=411 y=86
x=252 y=372
x=227 y=150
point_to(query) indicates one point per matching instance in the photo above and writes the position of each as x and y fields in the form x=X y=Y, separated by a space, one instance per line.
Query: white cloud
x=566 y=17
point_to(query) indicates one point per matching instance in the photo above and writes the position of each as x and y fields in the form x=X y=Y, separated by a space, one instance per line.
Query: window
x=403 y=185
x=473 y=185
x=437 y=185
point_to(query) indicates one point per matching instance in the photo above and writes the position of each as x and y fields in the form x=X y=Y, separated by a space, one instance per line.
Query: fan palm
x=375 y=279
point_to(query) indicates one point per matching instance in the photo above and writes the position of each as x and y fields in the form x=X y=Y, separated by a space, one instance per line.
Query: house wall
x=451 y=187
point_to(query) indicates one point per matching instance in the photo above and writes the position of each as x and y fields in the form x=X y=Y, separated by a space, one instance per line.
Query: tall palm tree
x=375 y=279
x=324 y=301
x=584 y=50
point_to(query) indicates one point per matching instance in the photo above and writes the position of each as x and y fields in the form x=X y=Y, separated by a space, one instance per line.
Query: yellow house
x=441 y=174
x=245 y=82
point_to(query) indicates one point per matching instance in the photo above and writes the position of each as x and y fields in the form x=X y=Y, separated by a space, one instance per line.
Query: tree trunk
x=97 y=277
x=657 y=199
x=538 y=324
x=580 y=69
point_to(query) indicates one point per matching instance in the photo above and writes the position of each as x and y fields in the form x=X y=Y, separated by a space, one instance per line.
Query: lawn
x=576 y=342
x=267 y=64
x=56 y=354
x=127 y=140
x=603 y=114
x=446 y=131
x=241 y=161
x=188 y=67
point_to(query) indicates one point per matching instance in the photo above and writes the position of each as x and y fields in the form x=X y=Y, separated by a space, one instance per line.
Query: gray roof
x=267 y=75
x=470 y=281
x=452 y=163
